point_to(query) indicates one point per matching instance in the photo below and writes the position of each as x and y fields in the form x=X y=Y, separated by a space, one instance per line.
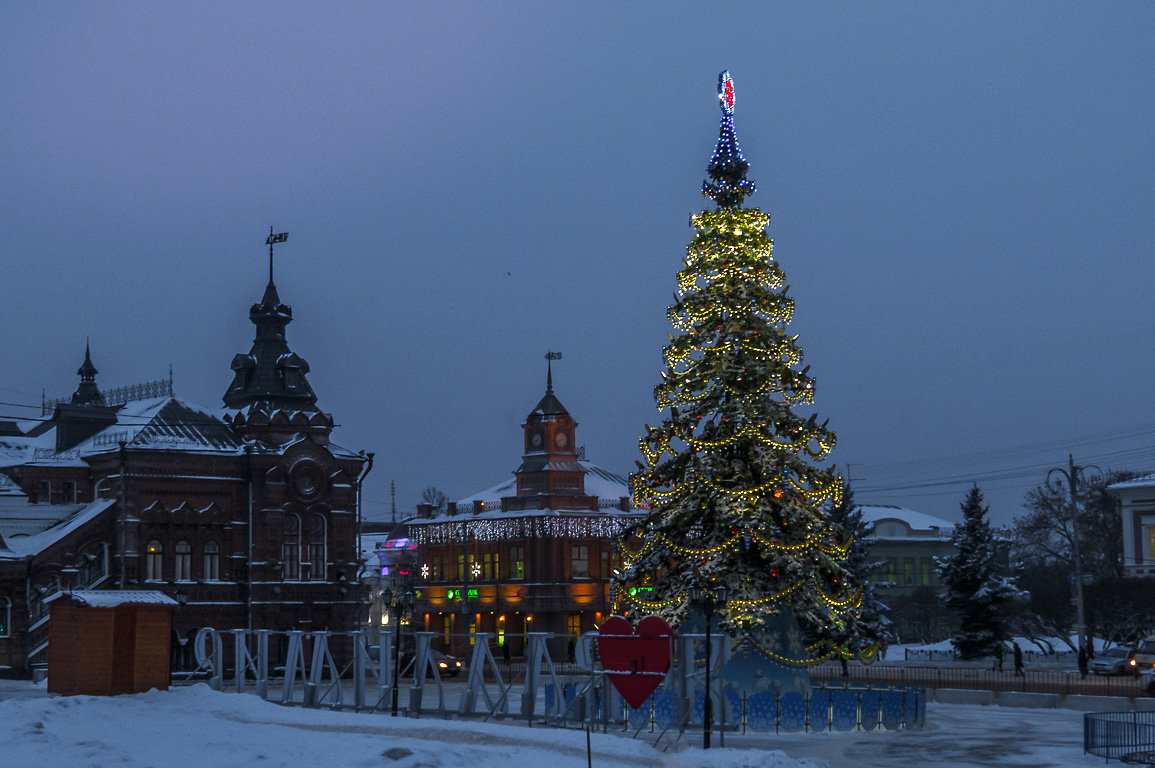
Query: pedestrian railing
x=1029 y=681
x=1126 y=736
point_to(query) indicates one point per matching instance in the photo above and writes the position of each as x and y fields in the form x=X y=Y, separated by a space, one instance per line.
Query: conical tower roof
x=87 y=393
x=549 y=405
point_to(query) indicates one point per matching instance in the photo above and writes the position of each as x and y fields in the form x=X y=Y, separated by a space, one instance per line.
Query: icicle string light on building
x=734 y=499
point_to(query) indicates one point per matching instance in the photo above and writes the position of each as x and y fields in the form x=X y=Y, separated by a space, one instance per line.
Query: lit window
x=183 y=562
x=1151 y=543
x=517 y=562
x=908 y=573
x=490 y=565
x=580 y=562
x=447 y=627
x=925 y=573
x=574 y=623
x=154 y=561
x=891 y=571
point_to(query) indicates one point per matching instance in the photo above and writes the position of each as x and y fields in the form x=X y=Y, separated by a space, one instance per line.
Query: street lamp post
x=708 y=597
x=398 y=604
x=1074 y=475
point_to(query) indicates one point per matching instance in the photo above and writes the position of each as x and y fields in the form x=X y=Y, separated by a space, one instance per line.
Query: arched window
x=291 y=548
x=212 y=561
x=5 y=617
x=183 y=561
x=317 y=570
x=154 y=561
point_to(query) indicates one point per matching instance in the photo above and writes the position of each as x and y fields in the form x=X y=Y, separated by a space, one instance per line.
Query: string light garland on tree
x=728 y=477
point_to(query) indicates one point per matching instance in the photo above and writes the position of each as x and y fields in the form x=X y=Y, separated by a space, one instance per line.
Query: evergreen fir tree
x=974 y=590
x=733 y=493
x=871 y=629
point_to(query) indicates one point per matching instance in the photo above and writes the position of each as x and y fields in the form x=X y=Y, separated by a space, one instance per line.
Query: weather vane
x=280 y=237
x=549 y=358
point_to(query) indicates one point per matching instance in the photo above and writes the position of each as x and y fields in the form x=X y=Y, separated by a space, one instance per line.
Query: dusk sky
x=962 y=198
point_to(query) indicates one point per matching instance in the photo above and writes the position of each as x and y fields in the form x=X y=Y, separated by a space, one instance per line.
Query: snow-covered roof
x=159 y=423
x=917 y=521
x=1146 y=481
x=22 y=546
x=101 y=598
x=600 y=482
x=20 y=518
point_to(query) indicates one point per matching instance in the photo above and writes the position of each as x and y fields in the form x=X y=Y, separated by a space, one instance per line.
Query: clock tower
x=550 y=475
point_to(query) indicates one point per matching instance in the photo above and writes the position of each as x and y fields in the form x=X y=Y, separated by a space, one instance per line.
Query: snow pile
x=198 y=727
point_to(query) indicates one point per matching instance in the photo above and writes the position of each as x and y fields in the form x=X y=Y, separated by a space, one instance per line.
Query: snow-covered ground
x=194 y=726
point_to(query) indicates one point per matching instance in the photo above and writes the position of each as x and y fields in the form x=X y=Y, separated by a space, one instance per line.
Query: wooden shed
x=109 y=642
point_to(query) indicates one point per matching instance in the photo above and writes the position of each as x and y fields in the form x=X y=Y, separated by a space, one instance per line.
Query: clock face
x=561 y=440
x=535 y=440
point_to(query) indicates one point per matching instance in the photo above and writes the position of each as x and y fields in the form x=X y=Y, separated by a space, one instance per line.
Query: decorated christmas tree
x=730 y=477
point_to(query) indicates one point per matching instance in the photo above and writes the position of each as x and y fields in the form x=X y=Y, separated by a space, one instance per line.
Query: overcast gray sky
x=962 y=197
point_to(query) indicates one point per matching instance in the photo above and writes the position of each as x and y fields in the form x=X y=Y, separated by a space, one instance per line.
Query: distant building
x=905 y=543
x=532 y=554
x=1137 y=499
x=246 y=516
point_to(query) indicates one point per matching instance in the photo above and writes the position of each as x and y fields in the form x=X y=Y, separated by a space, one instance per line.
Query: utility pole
x=1074 y=476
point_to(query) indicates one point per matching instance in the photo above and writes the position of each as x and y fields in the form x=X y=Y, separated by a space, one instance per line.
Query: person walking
x=999 y=657
x=1018 y=660
x=1082 y=661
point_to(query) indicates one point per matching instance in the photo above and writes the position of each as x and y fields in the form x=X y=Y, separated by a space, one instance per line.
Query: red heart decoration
x=636 y=660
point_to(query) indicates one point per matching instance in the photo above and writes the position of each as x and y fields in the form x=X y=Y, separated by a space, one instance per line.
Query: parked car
x=1114 y=661
x=450 y=665
x=446 y=664
x=1145 y=654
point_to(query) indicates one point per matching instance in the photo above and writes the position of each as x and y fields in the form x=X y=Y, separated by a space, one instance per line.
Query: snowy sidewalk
x=195 y=726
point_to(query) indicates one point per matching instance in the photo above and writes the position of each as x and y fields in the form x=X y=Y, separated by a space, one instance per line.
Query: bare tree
x=435 y=497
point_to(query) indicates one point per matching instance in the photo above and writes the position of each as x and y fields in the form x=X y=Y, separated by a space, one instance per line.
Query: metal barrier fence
x=1031 y=681
x=305 y=671
x=827 y=708
x=1126 y=736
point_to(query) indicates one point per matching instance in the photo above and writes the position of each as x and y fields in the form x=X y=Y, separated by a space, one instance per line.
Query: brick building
x=246 y=516
x=534 y=553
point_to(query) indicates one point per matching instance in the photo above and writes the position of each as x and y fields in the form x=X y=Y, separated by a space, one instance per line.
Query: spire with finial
x=271 y=375
x=549 y=358
x=87 y=393
x=727 y=185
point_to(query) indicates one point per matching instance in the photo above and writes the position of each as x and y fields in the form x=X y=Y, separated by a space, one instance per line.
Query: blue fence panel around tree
x=639 y=717
x=912 y=707
x=762 y=711
x=792 y=711
x=663 y=700
x=892 y=708
x=818 y=710
x=844 y=707
x=733 y=706
x=871 y=704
